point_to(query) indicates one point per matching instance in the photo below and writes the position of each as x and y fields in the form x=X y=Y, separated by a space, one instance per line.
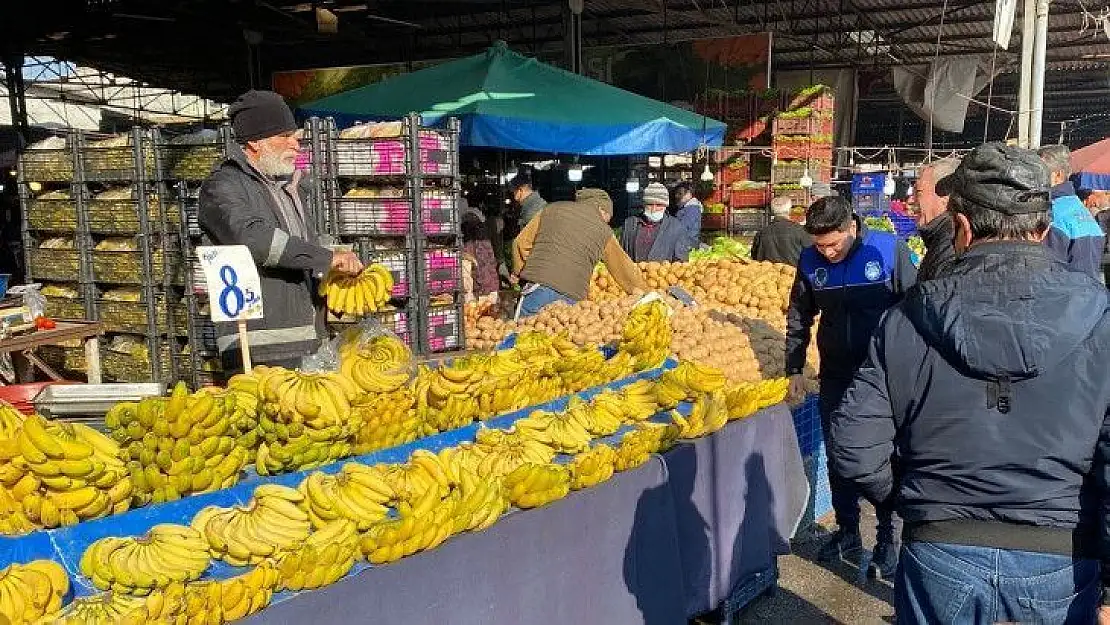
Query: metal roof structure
x=218 y=48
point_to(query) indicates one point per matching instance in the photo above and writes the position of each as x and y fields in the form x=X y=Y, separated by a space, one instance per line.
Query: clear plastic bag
x=34 y=300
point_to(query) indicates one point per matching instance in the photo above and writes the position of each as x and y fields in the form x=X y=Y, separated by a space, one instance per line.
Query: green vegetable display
x=723 y=248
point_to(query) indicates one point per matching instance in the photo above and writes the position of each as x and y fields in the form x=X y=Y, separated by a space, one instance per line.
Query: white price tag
x=234 y=290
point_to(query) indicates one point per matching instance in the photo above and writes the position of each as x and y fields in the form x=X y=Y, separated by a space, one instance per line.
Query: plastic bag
x=34 y=300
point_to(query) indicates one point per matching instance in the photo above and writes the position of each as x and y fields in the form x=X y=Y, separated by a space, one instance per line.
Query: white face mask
x=654 y=217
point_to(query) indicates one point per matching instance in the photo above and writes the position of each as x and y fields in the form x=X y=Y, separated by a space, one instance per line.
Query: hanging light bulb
x=706 y=175
x=805 y=181
x=632 y=185
x=574 y=174
x=888 y=185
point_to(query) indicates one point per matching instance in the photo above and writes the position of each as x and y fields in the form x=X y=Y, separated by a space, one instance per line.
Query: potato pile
x=751 y=289
x=485 y=332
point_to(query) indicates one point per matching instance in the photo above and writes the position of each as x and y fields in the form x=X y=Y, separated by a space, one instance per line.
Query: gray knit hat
x=655 y=194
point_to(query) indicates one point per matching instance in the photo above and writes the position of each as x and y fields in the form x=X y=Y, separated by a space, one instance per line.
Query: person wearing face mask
x=850 y=275
x=255 y=198
x=655 y=235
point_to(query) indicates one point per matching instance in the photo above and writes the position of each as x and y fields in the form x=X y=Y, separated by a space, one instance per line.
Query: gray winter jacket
x=241 y=206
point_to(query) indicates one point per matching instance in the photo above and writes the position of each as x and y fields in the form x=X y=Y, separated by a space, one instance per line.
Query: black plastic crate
x=190 y=161
x=54 y=264
x=131 y=316
x=748 y=219
x=439 y=212
x=397 y=261
x=118 y=159
x=121 y=216
x=442 y=271
x=392 y=157
x=126 y=267
x=372 y=216
x=52 y=212
x=47 y=165
x=442 y=330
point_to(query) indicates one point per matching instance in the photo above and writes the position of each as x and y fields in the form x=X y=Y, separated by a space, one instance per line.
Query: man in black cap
x=255 y=198
x=983 y=415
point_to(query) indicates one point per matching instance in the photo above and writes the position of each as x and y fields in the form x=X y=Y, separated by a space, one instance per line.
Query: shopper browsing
x=689 y=208
x=983 y=414
x=556 y=252
x=1075 y=236
x=782 y=240
x=525 y=196
x=934 y=222
x=851 y=276
x=655 y=235
x=255 y=198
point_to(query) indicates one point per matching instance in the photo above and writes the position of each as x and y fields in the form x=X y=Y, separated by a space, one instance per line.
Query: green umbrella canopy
x=507 y=100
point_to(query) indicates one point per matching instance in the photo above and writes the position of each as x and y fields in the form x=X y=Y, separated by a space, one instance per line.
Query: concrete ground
x=819 y=593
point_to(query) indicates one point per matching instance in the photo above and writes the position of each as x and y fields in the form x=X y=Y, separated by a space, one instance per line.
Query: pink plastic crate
x=443 y=271
x=438 y=213
x=373 y=216
x=443 y=330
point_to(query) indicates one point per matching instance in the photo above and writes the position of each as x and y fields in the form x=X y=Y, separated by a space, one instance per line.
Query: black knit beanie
x=260 y=115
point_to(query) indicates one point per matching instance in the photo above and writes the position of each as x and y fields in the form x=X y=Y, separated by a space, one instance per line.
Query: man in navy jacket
x=1075 y=236
x=851 y=275
x=983 y=414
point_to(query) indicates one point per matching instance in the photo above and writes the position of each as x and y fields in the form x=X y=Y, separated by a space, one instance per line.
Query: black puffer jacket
x=983 y=411
x=940 y=253
x=239 y=206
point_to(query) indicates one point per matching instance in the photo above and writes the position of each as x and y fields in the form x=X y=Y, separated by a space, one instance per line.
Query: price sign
x=234 y=290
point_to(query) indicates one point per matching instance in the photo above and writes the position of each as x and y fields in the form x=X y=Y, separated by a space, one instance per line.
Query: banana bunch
x=597 y=418
x=188 y=446
x=358 y=493
x=272 y=522
x=479 y=502
x=442 y=405
x=13 y=520
x=420 y=524
x=424 y=472
x=241 y=405
x=108 y=607
x=496 y=453
x=10 y=421
x=533 y=485
x=213 y=602
x=636 y=400
x=379 y=365
x=773 y=392
x=327 y=555
x=385 y=420
x=302 y=452
x=647 y=438
x=31 y=591
x=646 y=334
x=358 y=295
x=592 y=467
x=688 y=380
x=708 y=413
x=562 y=431
x=136 y=566
x=318 y=400
x=742 y=400
x=70 y=472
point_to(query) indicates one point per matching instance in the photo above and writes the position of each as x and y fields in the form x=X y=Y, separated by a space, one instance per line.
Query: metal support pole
x=17 y=96
x=572 y=19
x=1028 y=36
x=1036 y=100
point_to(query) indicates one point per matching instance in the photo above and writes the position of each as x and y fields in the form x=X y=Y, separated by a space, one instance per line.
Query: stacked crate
x=392 y=193
x=803 y=142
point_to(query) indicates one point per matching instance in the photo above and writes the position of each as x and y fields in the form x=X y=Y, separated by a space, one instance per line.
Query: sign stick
x=244 y=347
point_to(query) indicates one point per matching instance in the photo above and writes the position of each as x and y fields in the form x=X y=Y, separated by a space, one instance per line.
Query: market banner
x=306 y=85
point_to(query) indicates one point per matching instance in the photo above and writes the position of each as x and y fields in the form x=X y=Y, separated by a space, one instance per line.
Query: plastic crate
x=191 y=162
x=65 y=307
x=47 y=165
x=803 y=126
x=131 y=317
x=122 y=216
x=127 y=267
x=398 y=322
x=743 y=220
x=443 y=328
x=714 y=221
x=364 y=216
x=870 y=202
x=823 y=101
x=56 y=265
x=439 y=212
x=388 y=157
x=442 y=271
x=22 y=396
x=904 y=225
x=52 y=215
x=748 y=198
x=810 y=151
x=117 y=164
x=397 y=261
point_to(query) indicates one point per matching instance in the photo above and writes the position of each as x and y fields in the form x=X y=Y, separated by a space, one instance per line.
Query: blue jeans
x=540 y=296
x=941 y=584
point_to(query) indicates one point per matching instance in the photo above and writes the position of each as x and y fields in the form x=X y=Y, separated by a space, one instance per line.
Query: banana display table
x=698 y=528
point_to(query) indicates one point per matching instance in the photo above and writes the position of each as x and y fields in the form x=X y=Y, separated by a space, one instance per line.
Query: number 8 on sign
x=231 y=291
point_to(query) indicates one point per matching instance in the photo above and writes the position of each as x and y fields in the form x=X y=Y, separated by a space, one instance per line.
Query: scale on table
x=88 y=403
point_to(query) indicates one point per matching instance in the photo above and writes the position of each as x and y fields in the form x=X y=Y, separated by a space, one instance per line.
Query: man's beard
x=272 y=164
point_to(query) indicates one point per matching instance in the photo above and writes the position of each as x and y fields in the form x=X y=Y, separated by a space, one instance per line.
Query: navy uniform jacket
x=1075 y=236
x=851 y=296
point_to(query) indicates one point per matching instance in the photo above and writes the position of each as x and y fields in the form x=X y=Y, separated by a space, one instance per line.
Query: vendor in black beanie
x=255 y=198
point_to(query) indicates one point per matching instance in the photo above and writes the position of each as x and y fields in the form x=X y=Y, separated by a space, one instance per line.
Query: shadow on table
x=787 y=608
x=692 y=534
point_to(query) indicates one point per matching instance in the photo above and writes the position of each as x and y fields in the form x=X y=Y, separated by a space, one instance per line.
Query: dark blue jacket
x=1075 y=236
x=672 y=241
x=851 y=296
x=983 y=412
